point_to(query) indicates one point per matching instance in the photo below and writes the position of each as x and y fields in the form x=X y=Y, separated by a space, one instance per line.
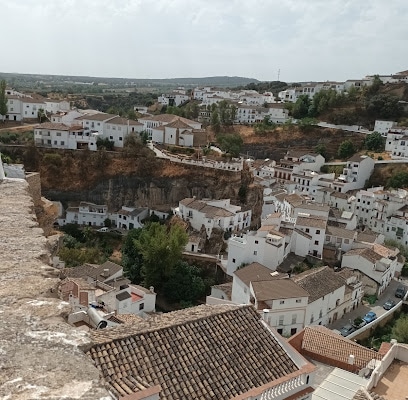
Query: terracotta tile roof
x=92 y=271
x=178 y=124
x=204 y=352
x=384 y=348
x=294 y=199
x=167 y=118
x=368 y=237
x=340 y=232
x=357 y=158
x=123 y=296
x=277 y=289
x=315 y=206
x=366 y=253
x=53 y=126
x=319 y=282
x=323 y=341
x=97 y=117
x=312 y=221
x=209 y=211
x=123 y=121
x=254 y=272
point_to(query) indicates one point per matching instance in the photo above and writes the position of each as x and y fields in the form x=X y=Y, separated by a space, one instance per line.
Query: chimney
x=393 y=341
x=351 y=359
x=105 y=272
x=151 y=288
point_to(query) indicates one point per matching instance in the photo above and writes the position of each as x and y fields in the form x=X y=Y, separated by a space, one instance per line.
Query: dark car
x=400 y=292
x=389 y=304
x=347 y=330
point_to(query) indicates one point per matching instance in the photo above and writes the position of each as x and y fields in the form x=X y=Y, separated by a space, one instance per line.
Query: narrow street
x=377 y=307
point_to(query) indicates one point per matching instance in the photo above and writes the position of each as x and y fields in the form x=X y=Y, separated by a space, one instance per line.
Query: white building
x=210 y=214
x=179 y=133
x=66 y=117
x=378 y=264
x=252 y=114
x=86 y=214
x=383 y=126
x=53 y=106
x=310 y=233
x=397 y=142
x=326 y=290
x=265 y=246
x=155 y=121
x=129 y=217
x=118 y=128
x=356 y=173
x=174 y=98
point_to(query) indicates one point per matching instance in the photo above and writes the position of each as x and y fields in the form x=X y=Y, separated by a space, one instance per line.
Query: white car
x=104 y=229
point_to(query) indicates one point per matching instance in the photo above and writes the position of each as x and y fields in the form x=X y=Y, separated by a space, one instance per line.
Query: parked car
x=104 y=229
x=389 y=304
x=347 y=330
x=370 y=317
x=400 y=292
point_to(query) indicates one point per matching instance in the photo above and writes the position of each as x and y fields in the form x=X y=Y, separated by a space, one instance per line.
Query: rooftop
x=318 y=282
x=254 y=272
x=277 y=289
x=202 y=352
x=394 y=384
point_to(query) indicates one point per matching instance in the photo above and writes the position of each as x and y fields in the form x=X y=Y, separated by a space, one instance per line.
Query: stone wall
x=34 y=187
x=40 y=354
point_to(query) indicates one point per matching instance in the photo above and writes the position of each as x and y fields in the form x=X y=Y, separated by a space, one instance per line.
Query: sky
x=301 y=40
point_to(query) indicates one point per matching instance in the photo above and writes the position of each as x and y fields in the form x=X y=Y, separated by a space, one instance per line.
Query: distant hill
x=229 y=81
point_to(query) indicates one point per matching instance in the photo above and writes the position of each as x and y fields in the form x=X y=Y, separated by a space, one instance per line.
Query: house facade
x=210 y=214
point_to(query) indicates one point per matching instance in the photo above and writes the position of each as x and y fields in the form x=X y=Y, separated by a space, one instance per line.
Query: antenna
x=278 y=74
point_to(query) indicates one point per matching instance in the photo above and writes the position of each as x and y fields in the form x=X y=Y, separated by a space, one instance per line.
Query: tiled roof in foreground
x=205 y=352
x=323 y=341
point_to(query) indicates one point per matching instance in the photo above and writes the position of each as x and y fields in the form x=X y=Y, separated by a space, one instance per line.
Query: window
x=233 y=260
x=307 y=230
x=298 y=300
x=55 y=142
x=256 y=242
x=111 y=137
x=120 y=138
x=280 y=331
x=281 y=318
x=62 y=143
x=311 y=319
x=316 y=242
x=255 y=253
x=282 y=302
x=58 y=133
x=317 y=231
x=320 y=314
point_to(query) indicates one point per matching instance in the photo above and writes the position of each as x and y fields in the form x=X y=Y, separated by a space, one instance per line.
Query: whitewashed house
x=61 y=136
x=66 y=117
x=310 y=235
x=86 y=214
x=129 y=217
x=14 y=108
x=397 y=142
x=265 y=246
x=356 y=173
x=210 y=214
x=30 y=106
x=251 y=114
x=155 y=121
x=175 y=98
x=179 y=133
x=378 y=265
x=383 y=126
x=118 y=128
x=95 y=122
x=326 y=290
x=53 y=106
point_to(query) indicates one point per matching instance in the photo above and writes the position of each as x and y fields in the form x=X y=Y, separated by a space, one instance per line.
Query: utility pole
x=278 y=74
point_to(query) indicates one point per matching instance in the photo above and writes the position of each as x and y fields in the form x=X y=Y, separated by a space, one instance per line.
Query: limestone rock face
x=40 y=354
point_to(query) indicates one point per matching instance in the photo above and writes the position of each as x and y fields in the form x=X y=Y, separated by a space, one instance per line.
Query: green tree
x=161 y=249
x=321 y=149
x=400 y=330
x=374 y=142
x=301 y=107
x=3 y=100
x=398 y=180
x=383 y=106
x=185 y=283
x=231 y=143
x=346 y=149
x=41 y=115
x=215 y=121
x=132 y=259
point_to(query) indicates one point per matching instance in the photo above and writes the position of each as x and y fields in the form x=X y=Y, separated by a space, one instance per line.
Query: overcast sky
x=304 y=39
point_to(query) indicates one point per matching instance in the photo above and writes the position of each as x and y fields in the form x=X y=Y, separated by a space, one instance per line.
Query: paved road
x=361 y=310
